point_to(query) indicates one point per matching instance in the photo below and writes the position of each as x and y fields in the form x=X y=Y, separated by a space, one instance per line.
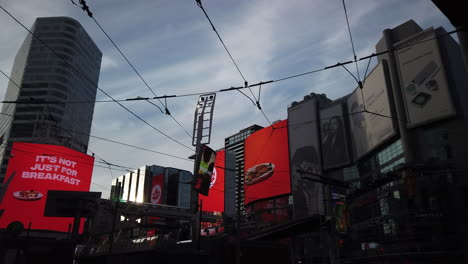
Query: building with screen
x=40 y=76
x=235 y=143
x=399 y=143
x=154 y=184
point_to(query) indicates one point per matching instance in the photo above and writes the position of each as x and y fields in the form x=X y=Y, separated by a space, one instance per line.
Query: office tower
x=235 y=143
x=44 y=81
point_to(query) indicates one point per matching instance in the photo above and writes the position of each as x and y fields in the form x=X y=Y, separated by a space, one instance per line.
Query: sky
x=174 y=48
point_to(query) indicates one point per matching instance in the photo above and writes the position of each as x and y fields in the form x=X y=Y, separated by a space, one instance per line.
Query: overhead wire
x=246 y=83
x=92 y=83
x=69 y=130
x=136 y=71
x=113 y=141
x=351 y=38
x=232 y=88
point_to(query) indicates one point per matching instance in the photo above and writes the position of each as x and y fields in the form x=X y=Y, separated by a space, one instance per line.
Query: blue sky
x=174 y=48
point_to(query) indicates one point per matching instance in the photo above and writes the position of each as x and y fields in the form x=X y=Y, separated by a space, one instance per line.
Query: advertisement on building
x=157 y=189
x=267 y=163
x=423 y=80
x=369 y=113
x=205 y=160
x=304 y=155
x=36 y=169
x=215 y=201
x=335 y=149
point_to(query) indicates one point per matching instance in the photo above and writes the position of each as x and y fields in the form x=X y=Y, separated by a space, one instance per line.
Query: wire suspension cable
x=351 y=38
x=95 y=85
x=134 y=69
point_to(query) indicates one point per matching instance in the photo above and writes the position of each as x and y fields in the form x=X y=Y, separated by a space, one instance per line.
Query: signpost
x=201 y=135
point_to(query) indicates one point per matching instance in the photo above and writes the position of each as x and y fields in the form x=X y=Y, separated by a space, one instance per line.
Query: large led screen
x=304 y=154
x=205 y=164
x=425 y=88
x=157 y=189
x=214 y=202
x=369 y=113
x=36 y=169
x=334 y=143
x=266 y=163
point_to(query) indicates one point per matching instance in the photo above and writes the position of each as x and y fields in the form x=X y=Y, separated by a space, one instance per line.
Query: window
x=392 y=165
x=389 y=153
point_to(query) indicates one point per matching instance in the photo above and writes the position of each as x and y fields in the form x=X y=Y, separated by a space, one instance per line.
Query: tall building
x=39 y=76
x=235 y=143
x=400 y=144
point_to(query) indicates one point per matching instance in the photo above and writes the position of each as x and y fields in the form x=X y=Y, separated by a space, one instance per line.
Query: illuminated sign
x=205 y=160
x=267 y=163
x=215 y=201
x=36 y=169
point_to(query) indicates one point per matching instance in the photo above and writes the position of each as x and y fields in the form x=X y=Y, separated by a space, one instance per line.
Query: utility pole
x=203 y=116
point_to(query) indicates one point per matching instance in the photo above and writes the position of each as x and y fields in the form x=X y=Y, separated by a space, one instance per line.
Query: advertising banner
x=157 y=189
x=36 y=169
x=215 y=201
x=266 y=163
x=205 y=167
x=369 y=113
x=304 y=154
x=335 y=149
x=424 y=83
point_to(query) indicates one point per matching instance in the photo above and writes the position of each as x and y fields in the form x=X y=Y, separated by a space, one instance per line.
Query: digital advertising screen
x=334 y=142
x=157 y=188
x=36 y=169
x=370 y=117
x=424 y=82
x=205 y=160
x=266 y=163
x=304 y=154
x=215 y=201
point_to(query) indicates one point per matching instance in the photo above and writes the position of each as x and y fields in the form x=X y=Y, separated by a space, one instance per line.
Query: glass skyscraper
x=42 y=83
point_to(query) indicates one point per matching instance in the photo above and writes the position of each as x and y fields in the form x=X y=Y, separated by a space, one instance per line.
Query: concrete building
x=154 y=184
x=383 y=170
x=43 y=82
x=400 y=144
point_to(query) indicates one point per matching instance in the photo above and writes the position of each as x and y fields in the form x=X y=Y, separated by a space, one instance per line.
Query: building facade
x=154 y=184
x=383 y=169
x=42 y=82
x=405 y=163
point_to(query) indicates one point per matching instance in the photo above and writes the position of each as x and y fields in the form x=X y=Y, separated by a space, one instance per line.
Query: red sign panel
x=157 y=188
x=267 y=163
x=215 y=201
x=37 y=168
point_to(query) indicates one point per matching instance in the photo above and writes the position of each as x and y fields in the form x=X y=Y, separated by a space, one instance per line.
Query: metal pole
x=194 y=205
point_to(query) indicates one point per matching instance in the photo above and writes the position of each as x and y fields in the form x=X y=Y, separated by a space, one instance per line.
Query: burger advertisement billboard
x=36 y=169
x=267 y=163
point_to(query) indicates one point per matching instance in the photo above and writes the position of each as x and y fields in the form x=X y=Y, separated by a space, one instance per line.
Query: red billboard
x=266 y=160
x=36 y=169
x=214 y=202
x=157 y=188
